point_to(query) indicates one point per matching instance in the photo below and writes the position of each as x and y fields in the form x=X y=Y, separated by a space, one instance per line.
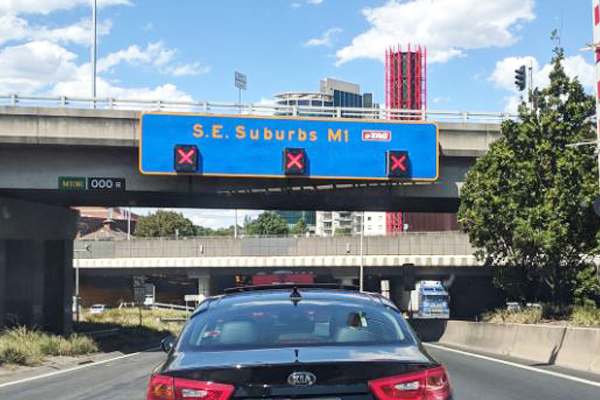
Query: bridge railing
x=434 y=243
x=207 y=107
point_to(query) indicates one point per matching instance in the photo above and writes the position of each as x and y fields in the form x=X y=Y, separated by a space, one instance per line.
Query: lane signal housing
x=186 y=158
x=294 y=161
x=397 y=164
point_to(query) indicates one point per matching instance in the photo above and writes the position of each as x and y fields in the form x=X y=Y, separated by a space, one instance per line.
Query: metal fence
x=210 y=107
x=434 y=243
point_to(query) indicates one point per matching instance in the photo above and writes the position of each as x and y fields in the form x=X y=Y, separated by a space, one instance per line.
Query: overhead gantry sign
x=284 y=147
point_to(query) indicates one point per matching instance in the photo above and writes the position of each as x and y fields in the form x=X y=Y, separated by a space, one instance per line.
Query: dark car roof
x=275 y=294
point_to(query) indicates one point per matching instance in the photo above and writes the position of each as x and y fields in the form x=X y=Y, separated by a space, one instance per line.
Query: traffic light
x=294 y=161
x=520 y=78
x=397 y=164
x=186 y=158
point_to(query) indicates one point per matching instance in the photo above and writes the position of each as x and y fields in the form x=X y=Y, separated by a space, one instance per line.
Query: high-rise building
x=332 y=223
x=292 y=218
x=333 y=93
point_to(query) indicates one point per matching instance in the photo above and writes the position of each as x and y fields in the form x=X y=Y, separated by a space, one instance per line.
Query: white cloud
x=38 y=63
x=35 y=66
x=13 y=28
x=155 y=54
x=148 y=27
x=503 y=75
x=447 y=27
x=47 y=6
x=295 y=5
x=187 y=69
x=314 y=1
x=326 y=39
x=44 y=67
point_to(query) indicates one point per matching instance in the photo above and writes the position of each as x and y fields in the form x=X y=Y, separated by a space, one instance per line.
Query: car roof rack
x=290 y=286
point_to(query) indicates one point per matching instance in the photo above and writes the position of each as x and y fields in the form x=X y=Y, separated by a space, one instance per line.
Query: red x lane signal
x=397 y=164
x=186 y=158
x=294 y=161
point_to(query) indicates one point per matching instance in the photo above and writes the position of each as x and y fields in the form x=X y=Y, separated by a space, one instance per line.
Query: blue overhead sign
x=282 y=147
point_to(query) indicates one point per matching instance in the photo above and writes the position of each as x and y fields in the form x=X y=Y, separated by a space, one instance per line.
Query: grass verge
x=573 y=315
x=135 y=332
x=24 y=346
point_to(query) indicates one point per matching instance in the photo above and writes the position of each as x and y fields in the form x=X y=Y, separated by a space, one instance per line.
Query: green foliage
x=267 y=224
x=124 y=318
x=527 y=202
x=221 y=232
x=577 y=315
x=342 y=232
x=25 y=346
x=587 y=287
x=529 y=315
x=586 y=315
x=300 y=228
x=164 y=224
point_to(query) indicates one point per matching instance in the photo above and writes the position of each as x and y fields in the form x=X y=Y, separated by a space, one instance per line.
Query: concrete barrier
x=581 y=350
x=538 y=343
x=576 y=348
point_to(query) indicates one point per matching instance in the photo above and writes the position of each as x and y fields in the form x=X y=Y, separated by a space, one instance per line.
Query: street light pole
x=361 y=277
x=93 y=63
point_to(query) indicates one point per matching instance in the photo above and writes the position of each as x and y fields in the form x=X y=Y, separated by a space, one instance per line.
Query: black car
x=282 y=343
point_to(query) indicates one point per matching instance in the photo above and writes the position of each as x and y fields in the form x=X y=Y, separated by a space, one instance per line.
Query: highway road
x=473 y=379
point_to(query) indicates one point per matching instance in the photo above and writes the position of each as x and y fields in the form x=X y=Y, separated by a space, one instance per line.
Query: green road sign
x=72 y=183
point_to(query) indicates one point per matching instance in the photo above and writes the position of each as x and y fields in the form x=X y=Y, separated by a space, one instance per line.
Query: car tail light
x=431 y=384
x=163 y=387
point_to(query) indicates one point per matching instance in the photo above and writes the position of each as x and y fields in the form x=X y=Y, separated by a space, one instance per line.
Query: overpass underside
x=37 y=180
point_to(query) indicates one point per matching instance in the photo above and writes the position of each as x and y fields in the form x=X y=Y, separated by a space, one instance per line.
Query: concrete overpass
x=208 y=265
x=39 y=145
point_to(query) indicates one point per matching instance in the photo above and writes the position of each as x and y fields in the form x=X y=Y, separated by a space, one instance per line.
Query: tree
x=300 y=228
x=527 y=202
x=164 y=224
x=268 y=223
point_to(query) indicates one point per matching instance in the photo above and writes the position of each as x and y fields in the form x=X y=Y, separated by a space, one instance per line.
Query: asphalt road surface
x=472 y=378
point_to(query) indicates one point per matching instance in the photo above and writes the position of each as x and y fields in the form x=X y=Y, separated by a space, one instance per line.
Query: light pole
x=93 y=63
x=361 y=277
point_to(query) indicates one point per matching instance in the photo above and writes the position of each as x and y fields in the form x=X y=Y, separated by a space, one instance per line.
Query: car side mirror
x=167 y=344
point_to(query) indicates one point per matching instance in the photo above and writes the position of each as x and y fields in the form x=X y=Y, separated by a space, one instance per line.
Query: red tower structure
x=406 y=80
x=405 y=89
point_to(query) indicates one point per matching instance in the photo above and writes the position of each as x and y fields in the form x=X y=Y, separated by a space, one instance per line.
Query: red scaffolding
x=405 y=89
x=406 y=80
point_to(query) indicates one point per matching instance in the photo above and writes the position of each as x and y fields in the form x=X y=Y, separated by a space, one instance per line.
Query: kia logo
x=302 y=379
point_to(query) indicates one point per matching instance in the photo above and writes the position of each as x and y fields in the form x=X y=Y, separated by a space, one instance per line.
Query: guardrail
x=210 y=107
x=172 y=307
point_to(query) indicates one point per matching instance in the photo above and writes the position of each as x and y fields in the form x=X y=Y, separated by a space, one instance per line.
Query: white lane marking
x=64 y=371
x=512 y=364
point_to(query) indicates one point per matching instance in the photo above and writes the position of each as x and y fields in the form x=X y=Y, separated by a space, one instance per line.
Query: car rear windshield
x=259 y=324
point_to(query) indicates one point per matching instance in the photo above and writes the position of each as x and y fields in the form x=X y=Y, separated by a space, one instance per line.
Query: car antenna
x=295 y=297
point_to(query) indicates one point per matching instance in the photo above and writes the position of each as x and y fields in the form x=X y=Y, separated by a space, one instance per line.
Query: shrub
x=586 y=315
x=25 y=346
x=528 y=315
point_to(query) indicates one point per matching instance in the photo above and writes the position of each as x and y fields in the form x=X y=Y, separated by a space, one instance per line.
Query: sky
x=189 y=49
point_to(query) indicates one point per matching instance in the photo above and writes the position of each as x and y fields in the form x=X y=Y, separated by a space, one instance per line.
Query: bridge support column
x=36 y=262
x=204 y=285
x=204 y=281
x=2 y=282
